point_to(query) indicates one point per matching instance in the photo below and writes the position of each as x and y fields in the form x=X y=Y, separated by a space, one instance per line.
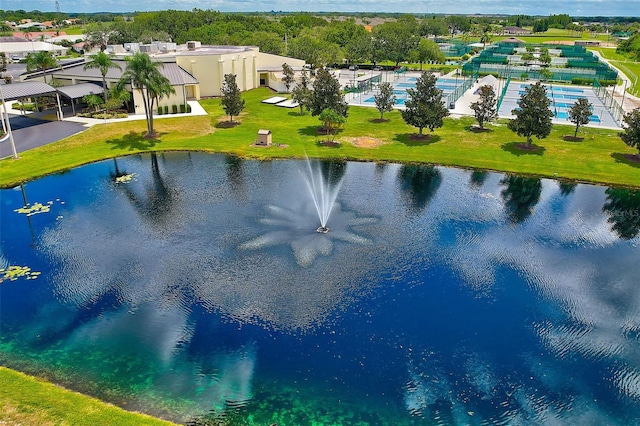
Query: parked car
x=353 y=68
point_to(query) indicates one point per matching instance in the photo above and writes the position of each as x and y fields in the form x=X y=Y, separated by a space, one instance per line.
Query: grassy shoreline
x=598 y=159
x=28 y=400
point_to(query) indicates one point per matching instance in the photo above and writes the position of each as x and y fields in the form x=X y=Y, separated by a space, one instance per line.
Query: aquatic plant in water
x=12 y=273
x=36 y=208
x=126 y=178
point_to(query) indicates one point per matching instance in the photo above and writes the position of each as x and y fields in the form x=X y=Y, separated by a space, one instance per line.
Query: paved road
x=30 y=133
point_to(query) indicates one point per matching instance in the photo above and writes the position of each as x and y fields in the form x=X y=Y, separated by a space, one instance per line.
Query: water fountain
x=323 y=193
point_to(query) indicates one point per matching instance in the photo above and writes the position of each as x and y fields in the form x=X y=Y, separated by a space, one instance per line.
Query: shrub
x=183 y=108
x=188 y=108
x=486 y=73
x=160 y=110
x=23 y=107
x=166 y=109
x=582 y=81
x=174 y=109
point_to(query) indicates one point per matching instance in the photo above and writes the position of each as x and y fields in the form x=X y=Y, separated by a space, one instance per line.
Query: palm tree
x=41 y=61
x=103 y=62
x=143 y=75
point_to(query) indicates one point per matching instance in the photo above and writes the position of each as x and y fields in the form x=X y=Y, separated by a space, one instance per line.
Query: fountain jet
x=322 y=192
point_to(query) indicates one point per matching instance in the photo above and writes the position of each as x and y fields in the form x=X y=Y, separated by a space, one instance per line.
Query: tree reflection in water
x=623 y=206
x=520 y=196
x=420 y=183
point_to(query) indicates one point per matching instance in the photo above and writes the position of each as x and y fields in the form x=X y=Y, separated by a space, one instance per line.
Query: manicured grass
x=557 y=34
x=623 y=63
x=25 y=400
x=74 y=30
x=598 y=158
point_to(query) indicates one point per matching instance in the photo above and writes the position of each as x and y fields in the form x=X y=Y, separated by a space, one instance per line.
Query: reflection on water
x=623 y=206
x=200 y=290
x=520 y=195
x=295 y=226
x=420 y=183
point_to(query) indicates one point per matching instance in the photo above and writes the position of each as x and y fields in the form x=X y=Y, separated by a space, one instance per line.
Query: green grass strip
x=601 y=157
x=26 y=400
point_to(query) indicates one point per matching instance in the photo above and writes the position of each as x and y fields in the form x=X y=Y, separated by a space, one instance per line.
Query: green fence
x=606 y=96
x=581 y=64
x=565 y=75
x=460 y=89
x=504 y=92
x=363 y=84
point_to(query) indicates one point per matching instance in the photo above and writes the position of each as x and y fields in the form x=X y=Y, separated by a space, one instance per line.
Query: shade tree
x=331 y=121
x=580 y=114
x=533 y=115
x=484 y=109
x=428 y=51
x=384 y=99
x=425 y=106
x=288 y=76
x=394 y=41
x=327 y=93
x=631 y=129
x=231 y=97
x=301 y=93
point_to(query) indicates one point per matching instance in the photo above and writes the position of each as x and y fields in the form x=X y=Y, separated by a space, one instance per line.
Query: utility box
x=264 y=137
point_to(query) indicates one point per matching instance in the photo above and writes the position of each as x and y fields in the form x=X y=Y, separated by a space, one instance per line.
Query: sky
x=509 y=7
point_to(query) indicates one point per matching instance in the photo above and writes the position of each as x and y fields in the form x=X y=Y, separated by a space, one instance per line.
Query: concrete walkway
x=630 y=102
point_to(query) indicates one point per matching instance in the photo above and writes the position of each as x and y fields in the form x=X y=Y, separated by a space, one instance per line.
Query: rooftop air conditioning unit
x=148 y=48
x=131 y=47
x=193 y=45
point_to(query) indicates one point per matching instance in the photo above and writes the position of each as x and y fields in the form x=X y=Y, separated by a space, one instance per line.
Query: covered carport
x=20 y=91
x=16 y=91
x=79 y=91
x=29 y=89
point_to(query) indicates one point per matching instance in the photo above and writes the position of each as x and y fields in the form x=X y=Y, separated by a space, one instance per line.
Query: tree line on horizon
x=319 y=38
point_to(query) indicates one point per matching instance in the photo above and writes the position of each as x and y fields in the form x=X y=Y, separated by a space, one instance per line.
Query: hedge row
x=164 y=109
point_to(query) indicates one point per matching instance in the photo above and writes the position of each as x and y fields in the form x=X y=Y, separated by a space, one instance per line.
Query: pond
x=194 y=287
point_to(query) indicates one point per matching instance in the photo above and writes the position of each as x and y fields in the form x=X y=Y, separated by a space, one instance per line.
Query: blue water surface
x=195 y=286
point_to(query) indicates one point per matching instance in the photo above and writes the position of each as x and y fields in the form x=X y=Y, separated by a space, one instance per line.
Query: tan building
x=209 y=64
x=195 y=71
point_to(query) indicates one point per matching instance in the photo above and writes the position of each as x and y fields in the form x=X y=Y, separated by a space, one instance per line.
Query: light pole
x=6 y=114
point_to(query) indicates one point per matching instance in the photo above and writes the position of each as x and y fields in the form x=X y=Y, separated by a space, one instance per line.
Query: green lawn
x=623 y=63
x=557 y=34
x=599 y=158
x=25 y=400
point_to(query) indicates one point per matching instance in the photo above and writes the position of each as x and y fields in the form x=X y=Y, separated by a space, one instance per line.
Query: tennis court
x=562 y=99
x=447 y=84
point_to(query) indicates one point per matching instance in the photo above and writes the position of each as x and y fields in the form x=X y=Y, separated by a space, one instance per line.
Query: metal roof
x=80 y=90
x=171 y=70
x=176 y=74
x=26 y=89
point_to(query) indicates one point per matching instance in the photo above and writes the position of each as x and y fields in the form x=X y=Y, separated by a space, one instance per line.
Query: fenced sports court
x=562 y=98
x=453 y=87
